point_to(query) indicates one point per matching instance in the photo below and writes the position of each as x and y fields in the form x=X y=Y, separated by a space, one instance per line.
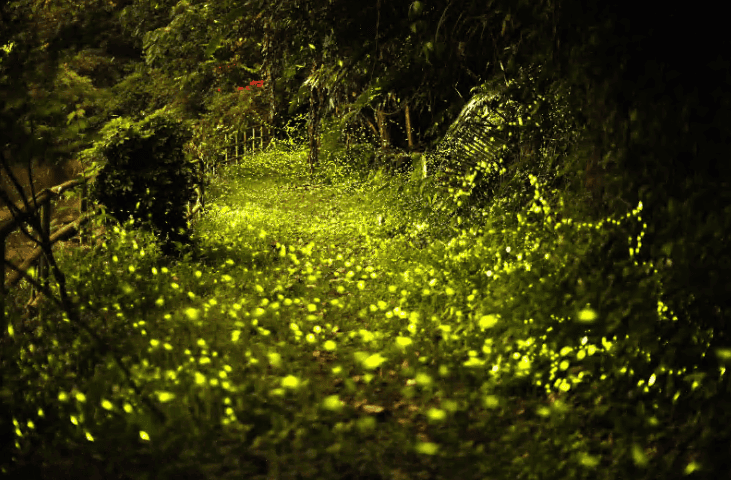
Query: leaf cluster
x=146 y=174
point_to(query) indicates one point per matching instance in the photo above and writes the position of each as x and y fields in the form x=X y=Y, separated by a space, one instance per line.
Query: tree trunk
x=409 y=135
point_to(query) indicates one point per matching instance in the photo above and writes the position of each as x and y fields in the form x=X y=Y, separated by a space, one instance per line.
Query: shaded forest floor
x=327 y=332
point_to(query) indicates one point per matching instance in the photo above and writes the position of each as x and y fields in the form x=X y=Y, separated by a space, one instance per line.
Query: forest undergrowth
x=336 y=330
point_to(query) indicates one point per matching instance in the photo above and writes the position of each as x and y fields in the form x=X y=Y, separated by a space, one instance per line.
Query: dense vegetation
x=338 y=332
x=524 y=278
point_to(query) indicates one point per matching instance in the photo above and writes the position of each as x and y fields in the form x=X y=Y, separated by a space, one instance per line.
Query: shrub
x=147 y=176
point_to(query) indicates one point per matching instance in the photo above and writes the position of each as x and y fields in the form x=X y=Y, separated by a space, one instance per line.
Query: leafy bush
x=147 y=176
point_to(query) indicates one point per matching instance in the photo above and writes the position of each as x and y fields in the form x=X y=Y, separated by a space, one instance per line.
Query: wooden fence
x=36 y=258
x=243 y=143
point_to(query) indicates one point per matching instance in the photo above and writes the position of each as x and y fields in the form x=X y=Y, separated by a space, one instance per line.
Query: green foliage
x=141 y=92
x=419 y=166
x=236 y=111
x=392 y=161
x=295 y=132
x=384 y=328
x=328 y=318
x=147 y=176
x=338 y=163
x=272 y=164
x=504 y=135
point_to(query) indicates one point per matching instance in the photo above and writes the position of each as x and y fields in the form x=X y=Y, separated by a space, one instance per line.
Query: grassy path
x=309 y=343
